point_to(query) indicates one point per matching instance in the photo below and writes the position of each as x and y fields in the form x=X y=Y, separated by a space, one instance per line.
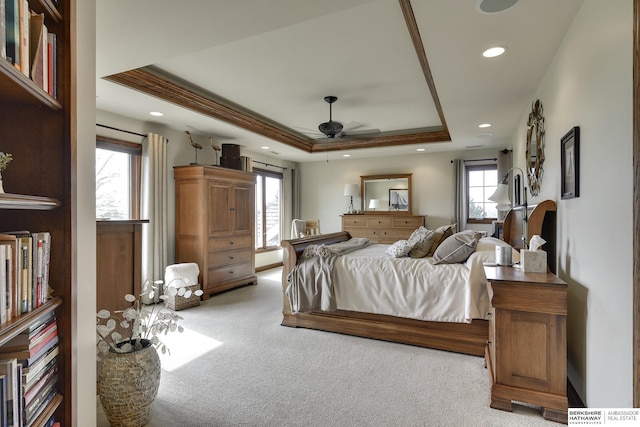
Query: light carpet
x=235 y=365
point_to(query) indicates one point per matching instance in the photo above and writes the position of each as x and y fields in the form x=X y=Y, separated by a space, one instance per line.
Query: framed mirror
x=535 y=148
x=386 y=194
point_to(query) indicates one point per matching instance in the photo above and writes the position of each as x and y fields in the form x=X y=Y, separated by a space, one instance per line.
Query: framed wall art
x=570 y=163
x=399 y=199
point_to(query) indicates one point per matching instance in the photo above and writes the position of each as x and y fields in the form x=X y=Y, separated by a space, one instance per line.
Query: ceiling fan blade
x=352 y=126
x=359 y=133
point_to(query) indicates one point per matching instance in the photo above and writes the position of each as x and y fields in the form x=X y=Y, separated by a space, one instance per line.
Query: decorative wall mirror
x=386 y=194
x=535 y=147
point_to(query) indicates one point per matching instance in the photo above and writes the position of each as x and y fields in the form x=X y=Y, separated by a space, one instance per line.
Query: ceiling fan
x=332 y=129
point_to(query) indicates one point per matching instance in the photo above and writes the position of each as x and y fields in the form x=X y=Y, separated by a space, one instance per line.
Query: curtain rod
x=478 y=160
x=267 y=164
x=121 y=130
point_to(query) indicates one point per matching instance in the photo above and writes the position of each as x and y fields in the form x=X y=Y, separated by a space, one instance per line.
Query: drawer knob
x=379 y=222
x=231 y=243
x=230 y=257
x=489 y=314
x=489 y=342
x=232 y=209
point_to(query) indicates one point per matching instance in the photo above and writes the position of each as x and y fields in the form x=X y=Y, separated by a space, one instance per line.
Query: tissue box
x=533 y=261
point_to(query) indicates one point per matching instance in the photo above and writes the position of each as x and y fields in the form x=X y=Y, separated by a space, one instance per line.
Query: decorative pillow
x=457 y=248
x=422 y=240
x=399 y=249
x=440 y=234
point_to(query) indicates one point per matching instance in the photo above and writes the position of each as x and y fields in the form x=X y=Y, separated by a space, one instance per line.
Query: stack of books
x=29 y=373
x=26 y=43
x=24 y=272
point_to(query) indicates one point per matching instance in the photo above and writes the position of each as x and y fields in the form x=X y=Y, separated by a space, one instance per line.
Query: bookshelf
x=37 y=129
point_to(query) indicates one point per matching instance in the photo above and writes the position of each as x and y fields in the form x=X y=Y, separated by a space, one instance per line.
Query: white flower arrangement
x=5 y=158
x=144 y=323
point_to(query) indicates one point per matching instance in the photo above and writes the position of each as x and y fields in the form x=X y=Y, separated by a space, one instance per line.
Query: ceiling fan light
x=330 y=128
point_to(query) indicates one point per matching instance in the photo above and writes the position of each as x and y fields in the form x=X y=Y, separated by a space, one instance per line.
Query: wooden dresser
x=215 y=221
x=385 y=229
x=527 y=349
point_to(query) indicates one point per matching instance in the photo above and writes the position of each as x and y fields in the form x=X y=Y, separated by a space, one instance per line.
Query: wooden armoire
x=215 y=223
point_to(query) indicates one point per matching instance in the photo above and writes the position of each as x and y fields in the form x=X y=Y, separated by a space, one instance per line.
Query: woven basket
x=178 y=303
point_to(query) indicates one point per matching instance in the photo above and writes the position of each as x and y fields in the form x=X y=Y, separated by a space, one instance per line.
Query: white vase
x=1 y=187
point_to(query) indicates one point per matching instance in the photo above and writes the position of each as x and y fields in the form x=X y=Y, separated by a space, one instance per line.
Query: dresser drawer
x=232 y=272
x=409 y=222
x=379 y=222
x=353 y=221
x=225 y=258
x=228 y=243
x=395 y=233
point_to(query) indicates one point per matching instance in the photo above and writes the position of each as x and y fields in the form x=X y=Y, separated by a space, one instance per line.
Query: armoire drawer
x=224 y=258
x=229 y=243
x=228 y=273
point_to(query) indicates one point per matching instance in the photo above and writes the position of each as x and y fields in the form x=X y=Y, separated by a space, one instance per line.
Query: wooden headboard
x=542 y=221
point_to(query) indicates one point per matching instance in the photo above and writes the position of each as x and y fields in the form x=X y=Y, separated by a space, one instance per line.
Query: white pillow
x=399 y=249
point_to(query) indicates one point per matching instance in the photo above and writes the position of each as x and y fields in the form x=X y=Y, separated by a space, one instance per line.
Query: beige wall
x=589 y=84
x=433 y=184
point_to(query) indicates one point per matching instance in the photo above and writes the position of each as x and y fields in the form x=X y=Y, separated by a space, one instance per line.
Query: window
x=117 y=179
x=482 y=181
x=268 y=209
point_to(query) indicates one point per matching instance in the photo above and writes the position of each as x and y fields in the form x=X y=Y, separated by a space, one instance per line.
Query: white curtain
x=460 y=200
x=153 y=206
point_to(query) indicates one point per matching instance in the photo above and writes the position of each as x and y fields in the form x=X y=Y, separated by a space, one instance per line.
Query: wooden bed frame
x=469 y=338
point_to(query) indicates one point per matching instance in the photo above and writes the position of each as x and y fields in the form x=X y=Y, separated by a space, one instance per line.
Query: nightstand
x=527 y=349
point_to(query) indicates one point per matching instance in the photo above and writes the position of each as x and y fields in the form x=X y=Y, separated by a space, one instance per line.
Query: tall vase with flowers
x=5 y=158
x=127 y=346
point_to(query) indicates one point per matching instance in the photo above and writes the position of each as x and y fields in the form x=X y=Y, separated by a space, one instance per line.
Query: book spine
x=24 y=279
x=3 y=31
x=50 y=63
x=9 y=267
x=12 y=20
x=23 y=25
x=3 y=281
x=38 y=269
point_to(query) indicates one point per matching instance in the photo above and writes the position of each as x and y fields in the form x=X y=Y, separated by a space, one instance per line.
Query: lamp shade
x=501 y=197
x=374 y=204
x=351 y=190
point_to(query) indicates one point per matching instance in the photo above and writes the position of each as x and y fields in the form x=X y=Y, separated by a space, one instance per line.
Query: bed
x=464 y=334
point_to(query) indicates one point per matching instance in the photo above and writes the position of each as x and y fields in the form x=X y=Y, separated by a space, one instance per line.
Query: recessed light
x=346 y=155
x=494 y=6
x=492 y=52
x=265 y=147
x=420 y=149
x=156 y=113
x=485 y=125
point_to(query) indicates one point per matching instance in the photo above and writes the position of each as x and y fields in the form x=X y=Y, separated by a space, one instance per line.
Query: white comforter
x=370 y=281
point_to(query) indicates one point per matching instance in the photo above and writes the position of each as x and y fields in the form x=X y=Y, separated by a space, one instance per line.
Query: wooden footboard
x=457 y=337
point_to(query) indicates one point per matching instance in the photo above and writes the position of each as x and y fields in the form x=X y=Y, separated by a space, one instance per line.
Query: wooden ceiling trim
x=145 y=81
x=412 y=26
x=382 y=141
